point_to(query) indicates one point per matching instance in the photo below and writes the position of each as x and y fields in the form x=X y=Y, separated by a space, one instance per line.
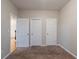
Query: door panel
x=22 y=31
x=51 y=31
x=36 y=32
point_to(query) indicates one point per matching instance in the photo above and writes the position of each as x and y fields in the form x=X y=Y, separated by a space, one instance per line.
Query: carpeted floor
x=37 y=52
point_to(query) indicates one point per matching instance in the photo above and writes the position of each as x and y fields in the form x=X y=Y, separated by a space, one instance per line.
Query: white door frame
x=53 y=43
x=24 y=33
x=30 y=29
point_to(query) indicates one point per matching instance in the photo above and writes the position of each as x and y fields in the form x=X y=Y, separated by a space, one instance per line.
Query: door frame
x=28 y=27
x=46 y=29
x=35 y=17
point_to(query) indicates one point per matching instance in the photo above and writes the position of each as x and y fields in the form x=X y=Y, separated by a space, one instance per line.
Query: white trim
x=43 y=45
x=67 y=50
x=50 y=45
x=7 y=55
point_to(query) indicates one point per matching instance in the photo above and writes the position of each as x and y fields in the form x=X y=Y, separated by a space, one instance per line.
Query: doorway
x=36 y=31
x=51 y=31
x=12 y=32
x=22 y=32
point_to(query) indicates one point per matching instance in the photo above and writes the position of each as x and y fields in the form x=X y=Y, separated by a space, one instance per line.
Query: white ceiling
x=40 y=4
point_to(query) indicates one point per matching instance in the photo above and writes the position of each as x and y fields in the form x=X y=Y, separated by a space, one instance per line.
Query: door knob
x=27 y=33
x=32 y=34
x=46 y=33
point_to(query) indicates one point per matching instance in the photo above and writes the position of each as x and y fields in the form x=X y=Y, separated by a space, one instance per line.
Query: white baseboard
x=50 y=45
x=67 y=50
x=43 y=45
x=7 y=55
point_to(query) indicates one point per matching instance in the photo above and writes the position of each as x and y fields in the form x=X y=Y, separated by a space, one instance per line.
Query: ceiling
x=40 y=4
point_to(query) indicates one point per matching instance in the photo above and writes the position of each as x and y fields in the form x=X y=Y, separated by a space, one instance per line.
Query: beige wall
x=67 y=30
x=7 y=9
x=40 y=13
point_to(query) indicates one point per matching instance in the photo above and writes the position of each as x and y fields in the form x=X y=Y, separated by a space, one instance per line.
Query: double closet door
x=29 y=32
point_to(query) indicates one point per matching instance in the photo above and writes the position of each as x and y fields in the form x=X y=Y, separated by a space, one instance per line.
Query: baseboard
x=67 y=50
x=7 y=55
x=50 y=45
x=43 y=45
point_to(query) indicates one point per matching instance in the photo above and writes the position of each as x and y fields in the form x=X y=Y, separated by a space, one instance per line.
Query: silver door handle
x=46 y=33
x=27 y=33
x=31 y=33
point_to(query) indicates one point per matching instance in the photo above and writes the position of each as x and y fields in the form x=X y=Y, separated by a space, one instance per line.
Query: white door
x=36 y=32
x=51 y=31
x=22 y=32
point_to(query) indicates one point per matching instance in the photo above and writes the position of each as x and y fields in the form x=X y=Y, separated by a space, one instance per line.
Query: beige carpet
x=37 y=52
